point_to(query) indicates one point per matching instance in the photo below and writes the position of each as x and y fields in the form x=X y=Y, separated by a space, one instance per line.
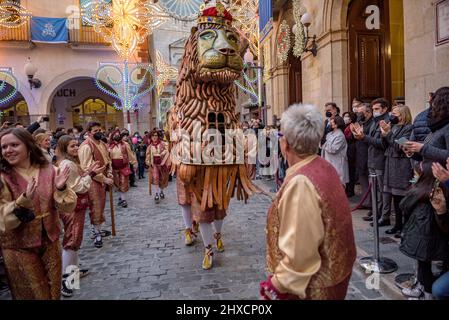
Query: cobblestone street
x=148 y=260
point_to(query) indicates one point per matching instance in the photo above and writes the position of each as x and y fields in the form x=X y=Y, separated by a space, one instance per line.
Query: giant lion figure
x=206 y=99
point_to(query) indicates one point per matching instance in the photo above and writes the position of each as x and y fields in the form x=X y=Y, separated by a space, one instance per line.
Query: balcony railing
x=78 y=33
x=21 y=33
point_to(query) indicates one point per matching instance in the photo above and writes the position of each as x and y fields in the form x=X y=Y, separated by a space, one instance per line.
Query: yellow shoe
x=195 y=227
x=207 y=261
x=189 y=239
x=220 y=246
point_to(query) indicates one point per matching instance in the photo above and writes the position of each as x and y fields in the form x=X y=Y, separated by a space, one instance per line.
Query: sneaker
x=84 y=273
x=189 y=237
x=65 y=290
x=416 y=291
x=120 y=202
x=162 y=195
x=104 y=234
x=156 y=197
x=207 y=261
x=220 y=246
x=124 y=204
x=98 y=243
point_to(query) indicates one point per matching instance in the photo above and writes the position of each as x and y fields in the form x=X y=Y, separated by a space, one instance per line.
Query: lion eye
x=232 y=38
x=207 y=35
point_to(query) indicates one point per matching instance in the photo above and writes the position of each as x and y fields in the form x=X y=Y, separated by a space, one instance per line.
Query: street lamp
x=306 y=21
x=30 y=71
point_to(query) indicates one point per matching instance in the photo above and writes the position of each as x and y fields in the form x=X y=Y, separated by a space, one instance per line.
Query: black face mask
x=98 y=136
x=361 y=117
x=394 y=120
x=117 y=138
x=328 y=114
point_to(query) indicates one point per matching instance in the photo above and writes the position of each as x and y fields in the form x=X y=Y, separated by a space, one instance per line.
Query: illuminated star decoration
x=123 y=23
x=129 y=82
x=7 y=78
x=164 y=73
x=13 y=15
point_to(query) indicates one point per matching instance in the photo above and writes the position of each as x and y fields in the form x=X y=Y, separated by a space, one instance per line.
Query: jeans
x=440 y=288
x=141 y=162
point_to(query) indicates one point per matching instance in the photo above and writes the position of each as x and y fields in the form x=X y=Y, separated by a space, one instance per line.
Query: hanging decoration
x=156 y=16
x=184 y=10
x=164 y=73
x=246 y=21
x=250 y=84
x=283 y=41
x=13 y=15
x=124 y=23
x=125 y=82
x=7 y=82
x=298 y=29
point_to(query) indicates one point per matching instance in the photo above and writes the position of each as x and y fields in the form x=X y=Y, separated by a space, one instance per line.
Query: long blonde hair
x=405 y=113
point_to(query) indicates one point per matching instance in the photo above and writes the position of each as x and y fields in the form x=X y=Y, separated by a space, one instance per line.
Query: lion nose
x=227 y=51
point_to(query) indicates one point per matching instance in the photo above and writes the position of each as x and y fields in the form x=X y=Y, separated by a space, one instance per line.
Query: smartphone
x=401 y=141
x=46 y=119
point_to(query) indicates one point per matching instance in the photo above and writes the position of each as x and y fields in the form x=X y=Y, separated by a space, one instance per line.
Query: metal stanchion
x=376 y=263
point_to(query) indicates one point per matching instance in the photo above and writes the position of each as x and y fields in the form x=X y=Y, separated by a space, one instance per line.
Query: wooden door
x=294 y=80
x=369 y=59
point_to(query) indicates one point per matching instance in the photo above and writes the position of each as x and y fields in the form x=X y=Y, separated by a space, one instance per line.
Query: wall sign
x=442 y=20
x=66 y=93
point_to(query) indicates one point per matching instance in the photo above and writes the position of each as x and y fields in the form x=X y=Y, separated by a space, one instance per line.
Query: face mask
x=347 y=120
x=394 y=120
x=117 y=138
x=377 y=114
x=361 y=117
x=98 y=136
x=328 y=114
x=355 y=110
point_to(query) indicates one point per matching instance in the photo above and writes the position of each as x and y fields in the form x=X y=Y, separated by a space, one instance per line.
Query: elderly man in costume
x=121 y=156
x=205 y=104
x=93 y=150
x=310 y=240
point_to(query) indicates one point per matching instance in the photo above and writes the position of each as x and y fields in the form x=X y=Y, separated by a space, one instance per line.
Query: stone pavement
x=148 y=260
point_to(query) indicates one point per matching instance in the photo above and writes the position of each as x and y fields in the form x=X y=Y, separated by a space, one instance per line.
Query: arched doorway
x=376 y=56
x=78 y=101
x=95 y=109
x=15 y=110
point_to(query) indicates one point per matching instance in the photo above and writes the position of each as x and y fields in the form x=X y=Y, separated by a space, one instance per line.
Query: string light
x=298 y=29
x=125 y=83
x=7 y=78
x=13 y=15
x=251 y=84
x=246 y=21
x=284 y=43
x=164 y=73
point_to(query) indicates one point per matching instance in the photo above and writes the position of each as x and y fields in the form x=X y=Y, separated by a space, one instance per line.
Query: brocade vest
x=337 y=251
x=29 y=235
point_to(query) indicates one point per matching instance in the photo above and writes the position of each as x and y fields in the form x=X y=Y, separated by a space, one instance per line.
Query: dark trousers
x=401 y=219
x=132 y=177
x=425 y=275
x=141 y=163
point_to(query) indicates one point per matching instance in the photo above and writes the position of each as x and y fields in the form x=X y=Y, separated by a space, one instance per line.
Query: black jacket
x=362 y=147
x=398 y=167
x=422 y=240
x=376 y=150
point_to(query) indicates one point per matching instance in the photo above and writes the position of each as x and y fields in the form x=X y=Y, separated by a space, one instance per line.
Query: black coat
x=362 y=149
x=422 y=240
x=376 y=150
x=398 y=167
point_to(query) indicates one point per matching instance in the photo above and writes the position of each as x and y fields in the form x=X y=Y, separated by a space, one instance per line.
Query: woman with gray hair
x=309 y=220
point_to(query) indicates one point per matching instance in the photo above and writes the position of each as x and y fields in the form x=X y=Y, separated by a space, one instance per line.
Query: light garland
x=13 y=15
x=124 y=23
x=156 y=16
x=283 y=41
x=246 y=21
x=164 y=73
x=125 y=82
x=298 y=31
x=251 y=84
x=6 y=77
